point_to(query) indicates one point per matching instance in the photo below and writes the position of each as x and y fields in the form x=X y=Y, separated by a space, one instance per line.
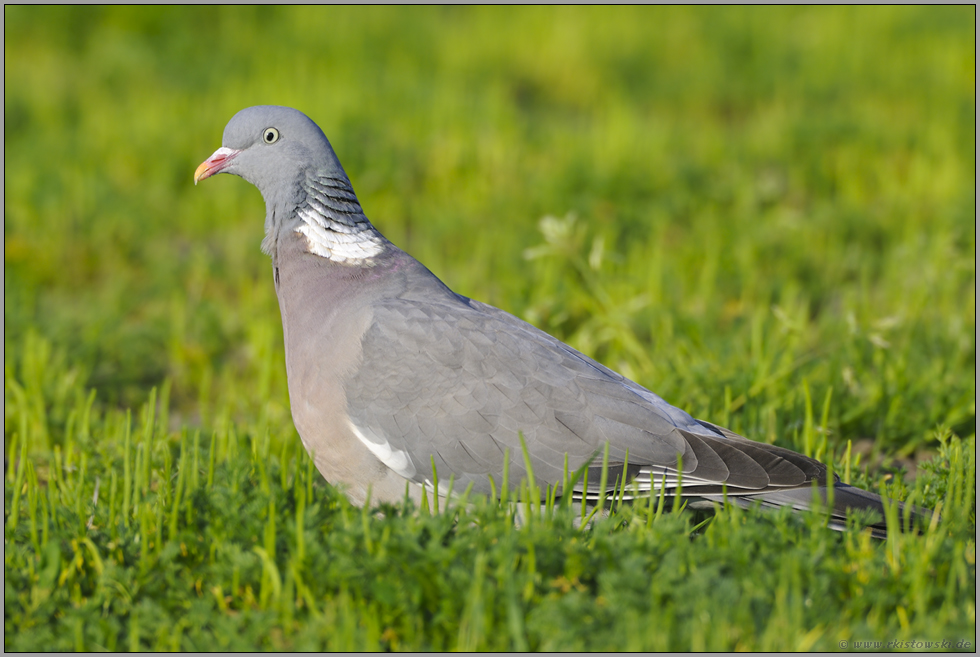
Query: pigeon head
x=286 y=155
x=271 y=147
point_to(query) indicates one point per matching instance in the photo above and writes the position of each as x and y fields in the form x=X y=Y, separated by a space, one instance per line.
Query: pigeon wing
x=455 y=382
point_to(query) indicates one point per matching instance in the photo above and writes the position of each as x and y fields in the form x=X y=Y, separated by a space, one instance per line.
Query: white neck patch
x=334 y=225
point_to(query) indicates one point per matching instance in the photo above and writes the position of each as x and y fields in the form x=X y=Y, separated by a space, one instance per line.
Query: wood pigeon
x=390 y=372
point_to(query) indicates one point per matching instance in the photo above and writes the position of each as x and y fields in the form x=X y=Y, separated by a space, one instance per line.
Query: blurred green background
x=749 y=206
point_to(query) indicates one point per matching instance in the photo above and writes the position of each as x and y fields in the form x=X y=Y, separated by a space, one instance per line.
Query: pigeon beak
x=215 y=164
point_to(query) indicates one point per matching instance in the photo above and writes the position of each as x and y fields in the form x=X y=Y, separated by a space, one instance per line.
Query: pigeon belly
x=322 y=330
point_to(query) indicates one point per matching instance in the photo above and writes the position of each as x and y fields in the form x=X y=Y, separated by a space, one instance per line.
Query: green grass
x=765 y=215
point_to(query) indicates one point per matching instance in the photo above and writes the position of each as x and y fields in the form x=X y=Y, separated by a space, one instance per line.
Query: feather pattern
x=333 y=223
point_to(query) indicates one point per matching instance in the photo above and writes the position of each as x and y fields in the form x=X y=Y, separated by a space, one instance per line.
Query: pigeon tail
x=845 y=499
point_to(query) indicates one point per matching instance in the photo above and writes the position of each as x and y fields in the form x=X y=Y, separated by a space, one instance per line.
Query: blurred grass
x=748 y=210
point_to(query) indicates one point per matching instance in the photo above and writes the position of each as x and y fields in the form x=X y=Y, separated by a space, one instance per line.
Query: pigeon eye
x=270 y=135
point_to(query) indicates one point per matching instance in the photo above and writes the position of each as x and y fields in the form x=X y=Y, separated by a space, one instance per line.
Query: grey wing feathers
x=455 y=380
x=446 y=381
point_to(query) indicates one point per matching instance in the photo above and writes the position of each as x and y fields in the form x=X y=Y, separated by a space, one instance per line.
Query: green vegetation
x=765 y=215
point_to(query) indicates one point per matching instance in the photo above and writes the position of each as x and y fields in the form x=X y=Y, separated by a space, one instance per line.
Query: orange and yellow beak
x=217 y=163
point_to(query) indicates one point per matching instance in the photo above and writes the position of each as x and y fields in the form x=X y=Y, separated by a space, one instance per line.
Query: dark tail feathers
x=845 y=498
